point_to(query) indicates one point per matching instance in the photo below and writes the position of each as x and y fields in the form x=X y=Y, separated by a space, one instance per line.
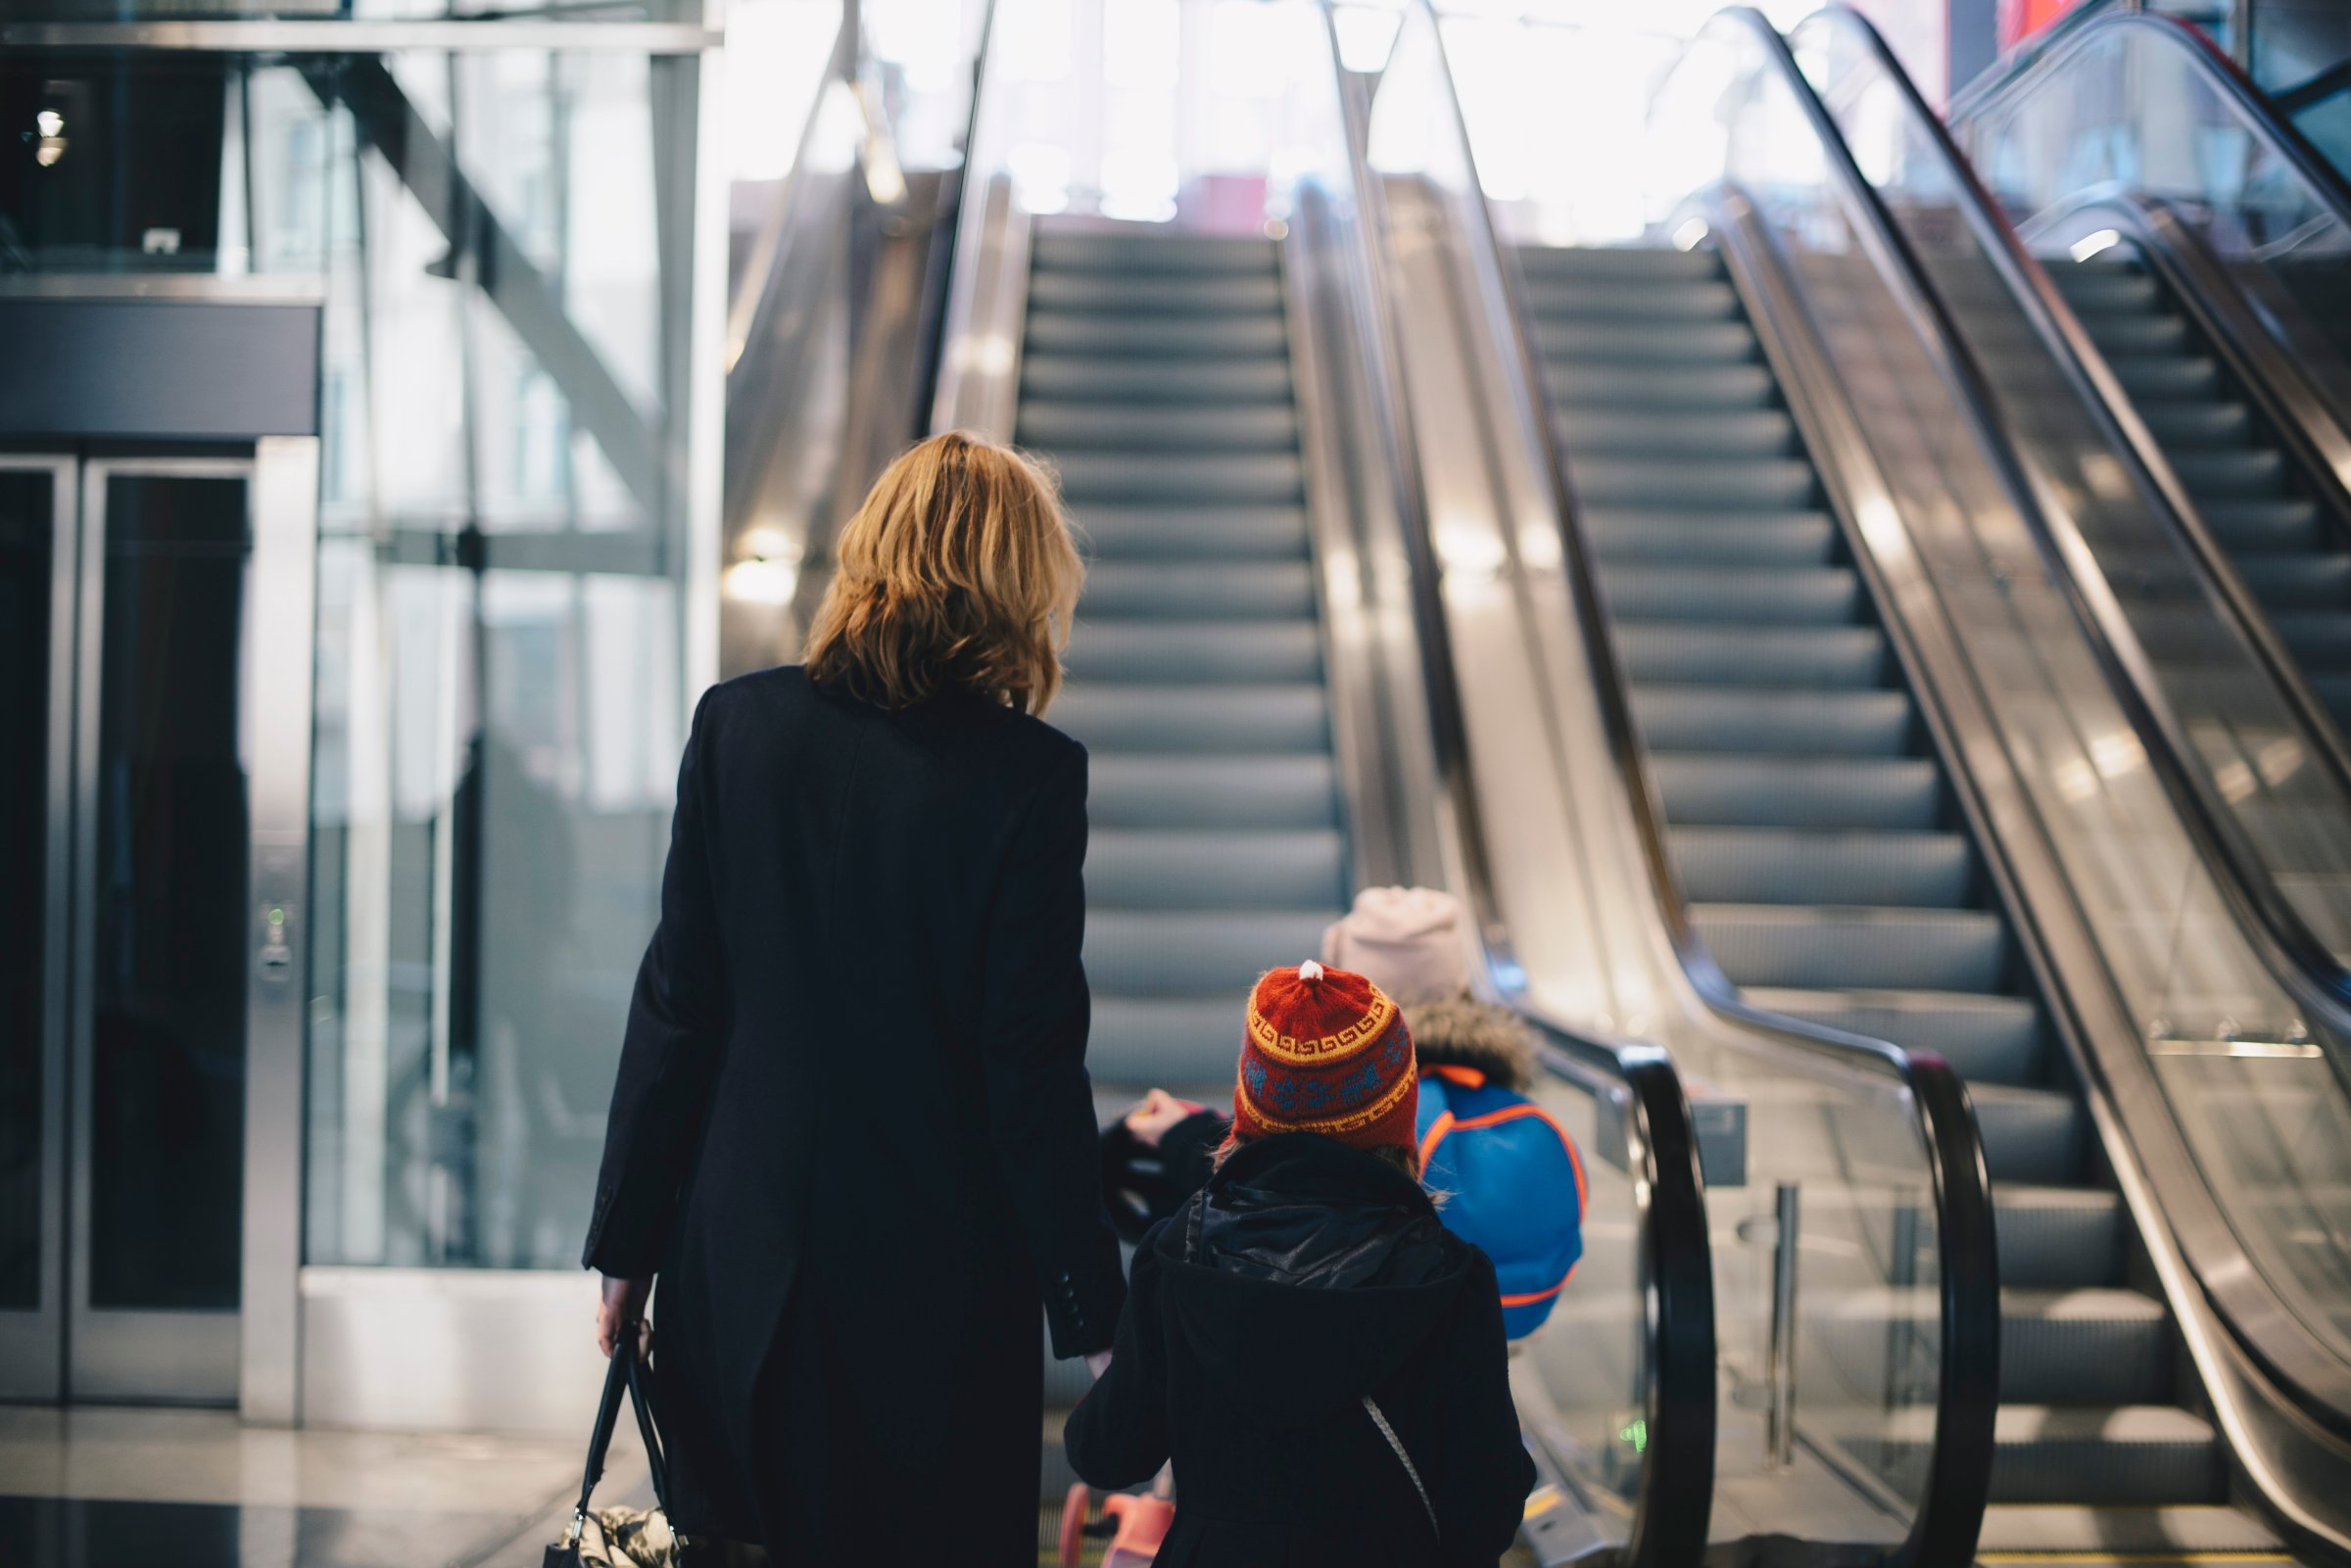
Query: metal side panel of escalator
x=1831 y=873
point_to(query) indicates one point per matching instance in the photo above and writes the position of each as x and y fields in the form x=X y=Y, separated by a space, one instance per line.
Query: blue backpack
x=1515 y=1186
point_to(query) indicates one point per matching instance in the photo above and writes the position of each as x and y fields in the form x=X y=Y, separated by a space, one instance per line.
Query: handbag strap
x=1379 y=1419
x=608 y=1415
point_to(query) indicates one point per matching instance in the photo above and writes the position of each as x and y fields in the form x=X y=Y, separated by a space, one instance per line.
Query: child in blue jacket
x=1509 y=1175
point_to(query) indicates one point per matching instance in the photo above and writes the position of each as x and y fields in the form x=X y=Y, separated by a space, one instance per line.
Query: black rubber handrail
x=2317 y=1380
x=1957 y=1486
x=1673 y=1509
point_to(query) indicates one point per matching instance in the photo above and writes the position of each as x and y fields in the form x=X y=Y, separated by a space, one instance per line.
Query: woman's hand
x=621 y=1311
x=1159 y=1111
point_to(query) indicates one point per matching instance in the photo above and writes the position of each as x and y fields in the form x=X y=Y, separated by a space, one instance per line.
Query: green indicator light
x=1637 y=1435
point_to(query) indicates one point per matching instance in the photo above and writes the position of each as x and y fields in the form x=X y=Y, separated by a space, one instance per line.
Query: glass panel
x=28 y=522
x=111 y=164
x=168 y=965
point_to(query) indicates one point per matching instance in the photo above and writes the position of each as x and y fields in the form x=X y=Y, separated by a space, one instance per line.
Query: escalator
x=1155 y=376
x=1829 y=870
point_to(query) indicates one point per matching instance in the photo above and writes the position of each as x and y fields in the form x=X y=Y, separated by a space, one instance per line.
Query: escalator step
x=1784 y=866
x=1277 y=791
x=1145 y=336
x=1815 y=657
x=1635 y=264
x=2104 y=286
x=2084 y=1347
x=1153 y=252
x=1742 y=791
x=1115 y=533
x=1821 y=595
x=2321 y=642
x=1711 y=537
x=2198 y=423
x=1863 y=948
x=1142 y=1040
x=2035 y=1136
x=1074 y=426
x=1057 y=289
x=2154 y=378
x=1182 y=953
x=1155 y=381
x=1153 y=653
x=1202 y=591
x=2298 y=581
x=1752 y=433
x=1639 y=343
x=2056 y=1238
x=1668 y=301
x=2143 y=1456
x=2085 y=1538
x=2261 y=526
x=2249 y=471
x=1678 y=388
x=1200 y=719
x=1207 y=869
x=1670 y=483
x=2137 y=333
x=1801 y=722
x=1257 y=479
x=1987 y=1036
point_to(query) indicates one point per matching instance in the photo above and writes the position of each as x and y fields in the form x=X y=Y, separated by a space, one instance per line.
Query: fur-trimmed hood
x=1463 y=1032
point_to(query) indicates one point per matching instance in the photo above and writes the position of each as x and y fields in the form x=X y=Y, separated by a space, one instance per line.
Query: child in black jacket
x=1320 y=1358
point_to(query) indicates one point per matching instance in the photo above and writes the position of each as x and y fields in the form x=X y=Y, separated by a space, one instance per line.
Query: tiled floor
x=94 y=1487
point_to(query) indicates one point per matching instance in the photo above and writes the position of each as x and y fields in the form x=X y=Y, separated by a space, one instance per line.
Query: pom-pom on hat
x=1325 y=1051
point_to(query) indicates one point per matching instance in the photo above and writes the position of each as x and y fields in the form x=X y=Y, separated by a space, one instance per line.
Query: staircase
x=1832 y=875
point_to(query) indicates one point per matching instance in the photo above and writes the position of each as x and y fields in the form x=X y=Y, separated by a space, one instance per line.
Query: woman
x=852 y=1133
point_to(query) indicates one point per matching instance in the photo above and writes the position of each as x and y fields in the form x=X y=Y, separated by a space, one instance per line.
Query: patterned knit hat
x=1326 y=1052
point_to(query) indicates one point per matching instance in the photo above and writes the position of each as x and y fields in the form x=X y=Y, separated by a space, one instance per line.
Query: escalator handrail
x=1673 y=1510
x=1956 y=1489
x=2071 y=38
x=2309 y=1371
x=933 y=340
x=2318 y=979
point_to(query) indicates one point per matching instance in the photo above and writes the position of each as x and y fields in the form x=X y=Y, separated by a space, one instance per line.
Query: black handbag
x=621 y=1537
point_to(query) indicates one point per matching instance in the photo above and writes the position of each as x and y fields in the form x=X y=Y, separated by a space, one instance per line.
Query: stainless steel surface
x=980 y=366
x=306 y=38
x=32 y=1344
x=283 y=619
x=1778 y=1374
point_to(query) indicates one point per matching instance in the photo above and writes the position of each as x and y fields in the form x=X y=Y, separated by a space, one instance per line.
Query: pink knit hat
x=1413 y=942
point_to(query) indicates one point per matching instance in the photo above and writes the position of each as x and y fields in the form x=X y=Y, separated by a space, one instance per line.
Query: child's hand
x=1159 y=1111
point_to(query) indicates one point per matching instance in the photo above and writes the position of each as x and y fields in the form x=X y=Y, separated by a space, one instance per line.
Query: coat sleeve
x=1118 y=1436
x=1480 y=1492
x=1041 y=1105
x=668 y=1058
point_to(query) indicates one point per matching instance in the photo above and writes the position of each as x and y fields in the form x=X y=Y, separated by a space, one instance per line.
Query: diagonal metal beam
x=513 y=283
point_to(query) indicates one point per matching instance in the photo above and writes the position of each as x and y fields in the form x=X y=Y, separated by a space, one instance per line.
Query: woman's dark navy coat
x=852 y=1129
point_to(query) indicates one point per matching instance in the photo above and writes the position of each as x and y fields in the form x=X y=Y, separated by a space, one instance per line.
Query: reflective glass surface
x=27 y=553
x=169 y=969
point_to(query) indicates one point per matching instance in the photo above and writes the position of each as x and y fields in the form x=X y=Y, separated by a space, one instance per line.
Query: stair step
x=1243 y=294
x=1816 y=657
x=1214 y=869
x=1159 y=652
x=1218 y=432
x=1711 y=537
x=2031 y=1135
x=2141 y=1455
x=2100 y=1346
x=1670 y=483
x=2103 y=286
x=2198 y=423
x=1631 y=262
x=2299 y=581
x=1786 y=866
x=1155 y=381
x=2058 y=1237
x=1257 y=479
x=2147 y=332
x=1838 y=947
x=1618 y=433
x=1804 y=724
x=1820 y=596
x=1138 y=1041
x=2088 y=1537
x=1203 y=591
x=1666 y=301
x=1985 y=1035
x=1156 y=337
x=2240 y=471
x=1235 y=791
x=1168 y=534
x=1670 y=388
x=1185 y=953
x=1196 y=719
x=1152 y=251
x=2156 y=377
x=1646 y=343
x=2286 y=523
x=1715 y=790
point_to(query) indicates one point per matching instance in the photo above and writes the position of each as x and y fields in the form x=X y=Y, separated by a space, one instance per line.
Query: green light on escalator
x=1637 y=1435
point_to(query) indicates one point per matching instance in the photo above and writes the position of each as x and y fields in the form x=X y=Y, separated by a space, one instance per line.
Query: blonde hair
x=958 y=573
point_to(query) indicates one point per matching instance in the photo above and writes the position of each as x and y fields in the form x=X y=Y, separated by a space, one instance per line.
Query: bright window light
x=777 y=51
x=1040 y=177
x=1366 y=36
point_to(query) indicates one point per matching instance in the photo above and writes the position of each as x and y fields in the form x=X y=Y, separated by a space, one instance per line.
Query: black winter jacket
x=1307 y=1275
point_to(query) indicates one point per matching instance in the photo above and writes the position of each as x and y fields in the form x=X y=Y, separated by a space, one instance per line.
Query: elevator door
x=133 y=949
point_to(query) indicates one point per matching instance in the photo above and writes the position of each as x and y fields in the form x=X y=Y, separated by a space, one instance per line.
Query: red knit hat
x=1326 y=1052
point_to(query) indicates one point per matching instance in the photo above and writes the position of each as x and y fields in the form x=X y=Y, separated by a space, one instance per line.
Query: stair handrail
x=2317 y=1380
x=1673 y=1509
